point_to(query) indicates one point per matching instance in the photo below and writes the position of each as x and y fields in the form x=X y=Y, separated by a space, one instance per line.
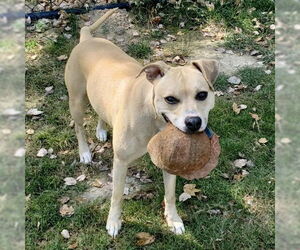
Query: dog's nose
x=193 y=123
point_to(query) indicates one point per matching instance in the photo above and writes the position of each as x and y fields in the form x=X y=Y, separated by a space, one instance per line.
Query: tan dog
x=136 y=102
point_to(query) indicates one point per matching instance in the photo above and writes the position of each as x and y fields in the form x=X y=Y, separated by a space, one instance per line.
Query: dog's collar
x=208 y=132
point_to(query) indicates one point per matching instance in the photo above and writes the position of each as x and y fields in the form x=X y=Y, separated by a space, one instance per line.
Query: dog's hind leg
x=173 y=220
x=76 y=85
x=101 y=131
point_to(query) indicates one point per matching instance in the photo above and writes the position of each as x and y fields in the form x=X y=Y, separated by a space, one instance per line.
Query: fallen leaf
x=235 y=108
x=234 y=80
x=66 y=210
x=255 y=116
x=70 y=181
x=263 y=140
x=239 y=163
x=20 y=152
x=65 y=233
x=184 y=197
x=81 y=178
x=30 y=131
x=144 y=239
x=257 y=88
x=34 y=112
x=285 y=140
x=62 y=58
x=64 y=199
x=42 y=152
x=73 y=246
x=190 y=189
x=97 y=183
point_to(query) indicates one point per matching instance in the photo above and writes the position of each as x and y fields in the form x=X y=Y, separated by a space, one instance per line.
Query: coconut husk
x=190 y=156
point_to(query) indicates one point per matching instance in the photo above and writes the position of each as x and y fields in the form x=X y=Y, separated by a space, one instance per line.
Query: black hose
x=55 y=14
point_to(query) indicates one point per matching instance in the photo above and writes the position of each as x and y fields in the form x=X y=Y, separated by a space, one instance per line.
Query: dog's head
x=184 y=95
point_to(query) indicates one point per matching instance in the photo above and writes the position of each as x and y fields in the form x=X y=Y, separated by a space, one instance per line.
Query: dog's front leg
x=173 y=220
x=113 y=224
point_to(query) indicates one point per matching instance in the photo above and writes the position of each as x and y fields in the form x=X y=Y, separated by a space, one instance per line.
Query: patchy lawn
x=234 y=209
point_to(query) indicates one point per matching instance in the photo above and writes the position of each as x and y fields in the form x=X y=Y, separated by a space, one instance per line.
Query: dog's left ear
x=154 y=71
x=209 y=69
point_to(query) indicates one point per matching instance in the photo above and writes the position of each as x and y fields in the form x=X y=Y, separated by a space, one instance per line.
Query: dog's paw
x=86 y=157
x=175 y=224
x=113 y=226
x=101 y=135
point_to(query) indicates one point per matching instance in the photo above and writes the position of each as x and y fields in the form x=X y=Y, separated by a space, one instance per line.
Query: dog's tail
x=85 y=32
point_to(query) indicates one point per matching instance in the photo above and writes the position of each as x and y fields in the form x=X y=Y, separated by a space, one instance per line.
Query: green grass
x=140 y=50
x=239 y=226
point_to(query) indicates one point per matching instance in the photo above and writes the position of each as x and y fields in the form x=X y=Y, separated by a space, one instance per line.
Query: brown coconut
x=190 y=156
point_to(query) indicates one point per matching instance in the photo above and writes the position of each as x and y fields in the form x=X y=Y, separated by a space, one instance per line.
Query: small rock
x=65 y=233
x=257 y=88
x=68 y=28
x=221 y=50
x=160 y=26
x=49 y=90
x=234 y=80
x=70 y=181
x=42 y=152
x=50 y=151
x=135 y=33
x=254 y=53
x=239 y=163
x=181 y=25
x=62 y=58
x=230 y=52
x=163 y=41
x=68 y=36
x=272 y=26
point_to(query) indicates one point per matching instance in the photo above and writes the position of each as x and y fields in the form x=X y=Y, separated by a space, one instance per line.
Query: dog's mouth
x=165 y=117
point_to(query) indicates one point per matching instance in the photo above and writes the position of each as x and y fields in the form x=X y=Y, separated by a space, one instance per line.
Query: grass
x=140 y=50
x=239 y=225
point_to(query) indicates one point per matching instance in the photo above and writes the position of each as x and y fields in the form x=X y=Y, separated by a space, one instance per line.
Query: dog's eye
x=171 y=100
x=201 y=96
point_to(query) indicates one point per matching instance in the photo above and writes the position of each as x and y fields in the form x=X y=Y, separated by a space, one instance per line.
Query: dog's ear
x=209 y=69
x=154 y=71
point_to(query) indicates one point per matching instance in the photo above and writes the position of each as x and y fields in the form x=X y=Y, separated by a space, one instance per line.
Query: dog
x=136 y=102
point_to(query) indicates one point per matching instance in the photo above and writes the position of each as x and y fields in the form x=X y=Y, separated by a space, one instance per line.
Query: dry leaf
x=42 y=152
x=73 y=246
x=285 y=140
x=255 y=116
x=81 y=177
x=30 y=131
x=97 y=183
x=144 y=239
x=66 y=210
x=184 y=197
x=64 y=199
x=34 y=112
x=65 y=233
x=262 y=140
x=239 y=163
x=62 y=58
x=70 y=181
x=236 y=108
x=190 y=189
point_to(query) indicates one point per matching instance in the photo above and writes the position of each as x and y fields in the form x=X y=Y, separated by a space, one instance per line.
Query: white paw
x=101 y=135
x=113 y=226
x=175 y=224
x=86 y=157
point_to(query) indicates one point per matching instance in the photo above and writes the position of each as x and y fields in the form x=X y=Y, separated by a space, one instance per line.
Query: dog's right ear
x=154 y=71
